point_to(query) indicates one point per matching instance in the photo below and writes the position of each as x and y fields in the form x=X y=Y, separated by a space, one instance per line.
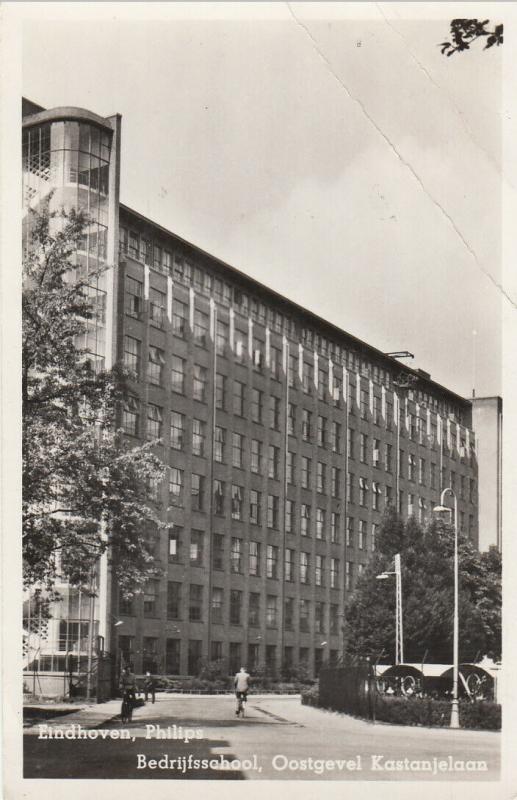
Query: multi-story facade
x=487 y=419
x=285 y=439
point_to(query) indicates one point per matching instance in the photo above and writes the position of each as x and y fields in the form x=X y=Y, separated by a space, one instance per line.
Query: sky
x=343 y=161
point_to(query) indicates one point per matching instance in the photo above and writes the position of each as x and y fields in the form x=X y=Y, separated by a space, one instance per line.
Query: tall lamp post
x=399 y=637
x=442 y=509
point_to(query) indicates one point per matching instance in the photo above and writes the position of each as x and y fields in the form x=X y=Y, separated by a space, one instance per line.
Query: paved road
x=278 y=739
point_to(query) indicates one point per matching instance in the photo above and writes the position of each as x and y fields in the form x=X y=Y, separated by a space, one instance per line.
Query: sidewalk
x=95 y=715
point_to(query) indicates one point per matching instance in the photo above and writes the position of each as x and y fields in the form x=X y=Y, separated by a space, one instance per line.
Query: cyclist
x=241 y=683
x=128 y=689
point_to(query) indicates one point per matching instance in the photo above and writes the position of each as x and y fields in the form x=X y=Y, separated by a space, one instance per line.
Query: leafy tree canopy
x=427 y=561
x=85 y=490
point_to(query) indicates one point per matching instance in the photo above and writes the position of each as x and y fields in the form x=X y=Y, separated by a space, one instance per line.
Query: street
x=194 y=737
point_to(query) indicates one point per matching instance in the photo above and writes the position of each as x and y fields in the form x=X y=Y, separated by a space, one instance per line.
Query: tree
x=466 y=31
x=85 y=490
x=427 y=558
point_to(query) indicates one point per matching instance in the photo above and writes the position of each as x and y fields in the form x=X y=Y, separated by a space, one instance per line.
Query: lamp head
x=383 y=576
x=442 y=509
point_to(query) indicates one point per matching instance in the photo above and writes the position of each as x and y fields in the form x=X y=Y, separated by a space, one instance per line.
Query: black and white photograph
x=254 y=482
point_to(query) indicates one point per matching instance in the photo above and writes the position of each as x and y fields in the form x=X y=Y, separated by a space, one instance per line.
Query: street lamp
x=441 y=509
x=399 y=638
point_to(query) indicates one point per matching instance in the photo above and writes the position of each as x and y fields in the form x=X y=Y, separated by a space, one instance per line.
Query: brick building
x=285 y=436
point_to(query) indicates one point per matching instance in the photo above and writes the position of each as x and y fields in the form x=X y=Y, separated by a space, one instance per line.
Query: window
x=410 y=504
x=308 y=377
x=256 y=456
x=363 y=491
x=321 y=477
x=150 y=598
x=254 y=558
x=322 y=431
x=376 y=452
x=289 y=613
x=271 y=611
x=376 y=410
x=196 y=548
x=131 y=416
x=336 y=480
x=132 y=356
x=350 y=532
x=157 y=304
x=411 y=467
x=237 y=449
x=275 y=360
x=274 y=412
x=199 y=383
x=304 y=621
x=273 y=461
x=256 y=405
x=238 y=398
x=133 y=298
x=221 y=338
x=174 y=544
x=237 y=501
x=175 y=486
x=375 y=528
x=304 y=567
x=291 y=419
x=291 y=370
x=334 y=573
x=173 y=600
x=197 y=492
x=290 y=469
x=364 y=404
x=306 y=472
x=348 y=574
x=194 y=656
x=220 y=386
x=319 y=621
x=335 y=437
x=154 y=422
x=155 y=365
x=421 y=509
x=322 y=384
x=240 y=346
x=217 y=604
x=177 y=430
x=219 y=440
x=388 y=457
x=236 y=555
x=172 y=656
x=334 y=527
x=289 y=511
x=218 y=497
x=421 y=471
x=218 y=552
x=320 y=523
x=350 y=487
x=289 y=565
x=401 y=463
x=272 y=511
x=254 y=609
x=364 y=447
x=333 y=628
x=180 y=318
x=235 y=608
x=195 y=602
x=376 y=489
x=318 y=570
x=433 y=476
x=351 y=443
x=306 y=425
x=200 y=328
x=388 y=495
x=178 y=375
x=198 y=437
x=254 y=507
x=362 y=534
x=305 y=519
x=271 y=561
x=337 y=390
x=149 y=654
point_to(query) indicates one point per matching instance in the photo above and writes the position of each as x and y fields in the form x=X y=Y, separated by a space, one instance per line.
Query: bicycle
x=241 y=704
x=126 y=711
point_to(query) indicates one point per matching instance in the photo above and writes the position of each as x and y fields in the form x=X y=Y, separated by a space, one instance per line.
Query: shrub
x=311 y=696
x=429 y=712
x=483 y=715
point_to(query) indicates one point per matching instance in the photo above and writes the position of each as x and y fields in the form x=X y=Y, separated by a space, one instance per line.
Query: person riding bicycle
x=241 y=683
x=128 y=683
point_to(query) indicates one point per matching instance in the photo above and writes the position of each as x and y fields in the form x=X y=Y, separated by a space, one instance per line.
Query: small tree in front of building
x=85 y=491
